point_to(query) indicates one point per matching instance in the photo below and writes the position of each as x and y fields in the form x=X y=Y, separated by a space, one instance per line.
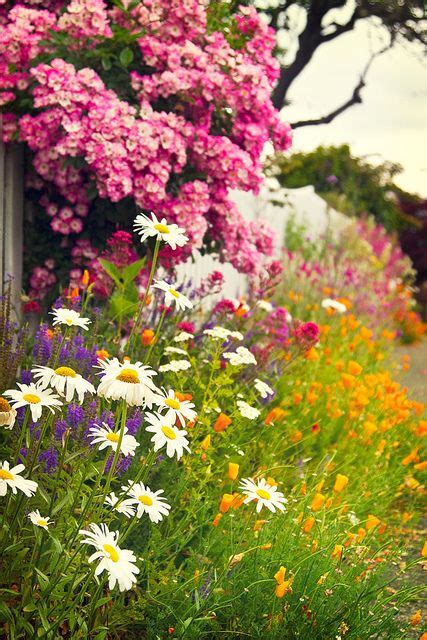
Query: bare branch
x=356 y=97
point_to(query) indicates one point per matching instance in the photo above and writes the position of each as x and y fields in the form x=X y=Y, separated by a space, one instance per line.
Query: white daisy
x=247 y=411
x=265 y=494
x=263 y=389
x=70 y=318
x=173 y=235
x=119 y=563
x=165 y=433
x=172 y=295
x=147 y=501
x=34 y=396
x=109 y=438
x=175 y=365
x=121 y=506
x=221 y=333
x=128 y=381
x=65 y=380
x=184 y=336
x=328 y=303
x=265 y=305
x=12 y=478
x=39 y=520
x=7 y=414
x=176 y=350
x=240 y=357
x=175 y=408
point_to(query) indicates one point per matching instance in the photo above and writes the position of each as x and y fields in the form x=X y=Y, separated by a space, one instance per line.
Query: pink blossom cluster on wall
x=189 y=126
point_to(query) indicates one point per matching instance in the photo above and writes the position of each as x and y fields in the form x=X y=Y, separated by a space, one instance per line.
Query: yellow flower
x=337 y=552
x=341 y=482
x=206 y=443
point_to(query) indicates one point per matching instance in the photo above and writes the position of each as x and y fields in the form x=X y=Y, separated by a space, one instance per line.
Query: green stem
x=156 y=336
x=141 y=307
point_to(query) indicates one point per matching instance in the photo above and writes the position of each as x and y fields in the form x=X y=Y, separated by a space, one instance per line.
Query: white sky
x=390 y=124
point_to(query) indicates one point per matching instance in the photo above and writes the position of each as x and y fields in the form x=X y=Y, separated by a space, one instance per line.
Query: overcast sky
x=390 y=124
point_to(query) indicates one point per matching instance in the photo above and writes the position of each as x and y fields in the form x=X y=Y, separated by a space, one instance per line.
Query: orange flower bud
x=147 y=337
x=225 y=503
x=275 y=415
x=102 y=354
x=85 y=278
x=216 y=520
x=258 y=525
x=416 y=618
x=279 y=576
x=424 y=550
x=233 y=470
x=222 y=422
x=317 y=502
x=371 y=522
x=354 y=368
x=308 y=524
x=341 y=482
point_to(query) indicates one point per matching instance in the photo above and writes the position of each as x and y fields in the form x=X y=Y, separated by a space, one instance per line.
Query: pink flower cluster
x=196 y=128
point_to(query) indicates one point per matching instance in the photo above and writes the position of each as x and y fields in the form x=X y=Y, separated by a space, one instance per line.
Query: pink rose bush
x=161 y=106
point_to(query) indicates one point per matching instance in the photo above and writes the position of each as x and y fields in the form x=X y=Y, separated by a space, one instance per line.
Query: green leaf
x=126 y=56
x=102 y=601
x=132 y=270
x=43 y=579
x=112 y=271
x=65 y=500
x=106 y=63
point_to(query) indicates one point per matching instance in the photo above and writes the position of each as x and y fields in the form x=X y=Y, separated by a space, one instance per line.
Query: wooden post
x=11 y=214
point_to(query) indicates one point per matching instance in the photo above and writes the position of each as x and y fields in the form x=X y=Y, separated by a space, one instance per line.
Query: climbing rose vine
x=159 y=104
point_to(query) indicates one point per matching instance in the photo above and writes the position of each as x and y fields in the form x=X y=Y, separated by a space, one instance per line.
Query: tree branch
x=356 y=97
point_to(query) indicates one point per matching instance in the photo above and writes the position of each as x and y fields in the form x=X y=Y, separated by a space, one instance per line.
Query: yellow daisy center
x=146 y=500
x=128 y=375
x=5 y=475
x=67 y=372
x=263 y=494
x=31 y=398
x=174 y=293
x=169 y=433
x=4 y=405
x=113 y=437
x=162 y=228
x=111 y=552
x=41 y=522
x=172 y=403
x=69 y=321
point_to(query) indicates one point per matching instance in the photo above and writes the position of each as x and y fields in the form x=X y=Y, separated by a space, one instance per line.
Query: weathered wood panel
x=11 y=213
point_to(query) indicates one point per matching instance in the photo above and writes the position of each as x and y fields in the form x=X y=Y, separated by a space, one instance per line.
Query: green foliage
x=359 y=187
